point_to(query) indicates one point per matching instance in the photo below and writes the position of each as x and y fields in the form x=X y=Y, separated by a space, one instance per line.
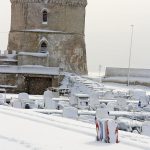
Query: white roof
x=8 y=60
x=33 y=54
x=8 y=57
x=81 y=95
x=60 y=99
x=7 y=86
x=29 y=69
x=42 y=30
x=2 y=90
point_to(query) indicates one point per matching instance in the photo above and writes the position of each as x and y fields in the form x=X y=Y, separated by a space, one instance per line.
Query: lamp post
x=130 y=53
x=100 y=69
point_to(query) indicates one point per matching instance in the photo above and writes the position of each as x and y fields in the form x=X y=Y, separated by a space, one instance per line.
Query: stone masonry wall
x=60 y=18
x=63 y=32
x=32 y=60
x=69 y=49
x=17 y=83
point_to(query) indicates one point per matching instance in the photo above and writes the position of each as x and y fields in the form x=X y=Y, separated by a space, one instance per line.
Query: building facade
x=49 y=33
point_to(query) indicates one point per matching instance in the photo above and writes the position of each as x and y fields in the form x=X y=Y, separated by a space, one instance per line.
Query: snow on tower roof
x=29 y=69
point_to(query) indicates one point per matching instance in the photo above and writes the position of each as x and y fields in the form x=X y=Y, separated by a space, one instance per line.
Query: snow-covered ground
x=125 y=87
x=119 y=86
x=27 y=130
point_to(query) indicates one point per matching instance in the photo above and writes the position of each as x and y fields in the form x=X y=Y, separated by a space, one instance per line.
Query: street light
x=100 y=69
x=130 y=52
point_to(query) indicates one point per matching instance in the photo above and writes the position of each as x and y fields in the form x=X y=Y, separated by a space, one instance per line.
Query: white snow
x=82 y=95
x=27 y=130
x=9 y=55
x=125 y=88
x=124 y=79
x=70 y=112
x=48 y=99
x=16 y=103
x=45 y=31
x=8 y=60
x=31 y=97
x=33 y=54
x=146 y=128
x=8 y=86
x=112 y=125
x=23 y=96
x=102 y=113
x=2 y=99
x=29 y=69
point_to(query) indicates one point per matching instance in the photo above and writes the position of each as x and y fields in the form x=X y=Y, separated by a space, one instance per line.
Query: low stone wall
x=32 y=84
x=32 y=60
x=3 y=62
x=9 y=79
x=120 y=75
x=123 y=72
x=69 y=49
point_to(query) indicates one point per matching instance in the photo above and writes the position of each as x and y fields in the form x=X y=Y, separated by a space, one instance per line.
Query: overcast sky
x=107 y=32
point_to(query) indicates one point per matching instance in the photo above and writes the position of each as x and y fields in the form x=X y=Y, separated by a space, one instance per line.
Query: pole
x=100 y=68
x=130 y=52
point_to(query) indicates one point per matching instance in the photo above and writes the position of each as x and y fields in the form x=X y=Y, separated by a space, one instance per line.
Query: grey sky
x=107 y=32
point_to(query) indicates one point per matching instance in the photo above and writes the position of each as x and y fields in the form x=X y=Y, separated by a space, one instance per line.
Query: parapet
x=82 y=3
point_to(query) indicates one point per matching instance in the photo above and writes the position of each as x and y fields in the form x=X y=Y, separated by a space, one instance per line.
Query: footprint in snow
x=21 y=142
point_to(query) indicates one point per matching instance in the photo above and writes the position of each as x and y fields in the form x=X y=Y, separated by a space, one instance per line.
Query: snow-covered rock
x=23 y=96
x=108 y=94
x=70 y=112
x=102 y=113
x=94 y=101
x=146 y=128
x=79 y=100
x=111 y=106
x=2 y=99
x=137 y=93
x=48 y=99
x=121 y=104
x=16 y=103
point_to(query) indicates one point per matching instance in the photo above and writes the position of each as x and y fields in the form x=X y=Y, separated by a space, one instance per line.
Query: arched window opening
x=45 y=16
x=43 y=47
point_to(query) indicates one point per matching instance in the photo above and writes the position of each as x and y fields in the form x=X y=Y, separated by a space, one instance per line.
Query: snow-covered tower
x=49 y=33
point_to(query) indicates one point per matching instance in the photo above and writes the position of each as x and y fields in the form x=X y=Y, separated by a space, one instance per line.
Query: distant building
x=44 y=35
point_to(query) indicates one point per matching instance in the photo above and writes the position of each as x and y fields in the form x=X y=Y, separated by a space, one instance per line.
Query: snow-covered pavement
x=27 y=130
x=124 y=87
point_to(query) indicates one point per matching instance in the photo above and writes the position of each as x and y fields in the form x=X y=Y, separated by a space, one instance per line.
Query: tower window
x=43 y=47
x=45 y=16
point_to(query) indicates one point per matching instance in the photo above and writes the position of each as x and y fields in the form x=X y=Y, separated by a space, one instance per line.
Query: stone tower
x=49 y=33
